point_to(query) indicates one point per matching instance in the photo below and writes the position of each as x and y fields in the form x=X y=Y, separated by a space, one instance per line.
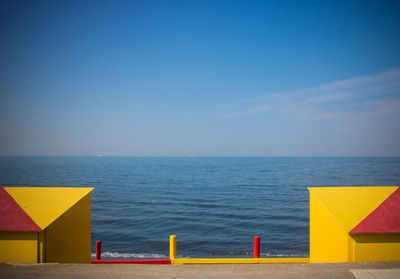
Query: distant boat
x=100 y=155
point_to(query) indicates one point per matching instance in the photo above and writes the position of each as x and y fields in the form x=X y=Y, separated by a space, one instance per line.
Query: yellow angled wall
x=328 y=241
x=350 y=205
x=68 y=238
x=373 y=248
x=18 y=247
x=45 y=204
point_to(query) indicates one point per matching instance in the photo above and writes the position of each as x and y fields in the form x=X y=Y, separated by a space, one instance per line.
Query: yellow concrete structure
x=354 y=224
x=52 y=225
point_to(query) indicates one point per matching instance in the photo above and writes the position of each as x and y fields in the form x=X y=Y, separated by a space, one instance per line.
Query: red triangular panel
x=13 y=217
x=385 y=219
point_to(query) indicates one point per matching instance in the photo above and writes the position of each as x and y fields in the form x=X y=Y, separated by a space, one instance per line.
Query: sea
x=214 y=205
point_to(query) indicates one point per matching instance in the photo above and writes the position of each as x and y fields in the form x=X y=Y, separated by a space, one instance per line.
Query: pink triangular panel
x=385 y=219
x=13 y=217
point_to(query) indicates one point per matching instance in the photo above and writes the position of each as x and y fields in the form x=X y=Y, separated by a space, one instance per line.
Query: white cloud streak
x=362 y=96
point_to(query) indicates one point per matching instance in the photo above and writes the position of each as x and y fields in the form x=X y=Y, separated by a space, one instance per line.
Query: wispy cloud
x=362 y=96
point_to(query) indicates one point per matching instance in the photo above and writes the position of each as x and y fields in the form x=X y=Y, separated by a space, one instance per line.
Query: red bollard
x=256 y=247
x=98 y=250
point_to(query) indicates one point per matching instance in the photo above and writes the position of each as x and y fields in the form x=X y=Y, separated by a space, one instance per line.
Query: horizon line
x=213 y=156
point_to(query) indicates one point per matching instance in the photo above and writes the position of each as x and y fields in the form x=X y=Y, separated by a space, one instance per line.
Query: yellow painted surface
x=214 y=261
x=18 y=247
x=334 y=211
x=239 y=261
x=328 y=240
x=64 y=216
x=42 y=247
x=68 y=238
x=172 y=247
x=350 y=205
x=284 y=260
x=45 y=204
x=378 y=247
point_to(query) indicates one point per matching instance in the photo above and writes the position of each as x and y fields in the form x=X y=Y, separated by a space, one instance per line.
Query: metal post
x=98 y=250
x=172 y=247
x=256 y=247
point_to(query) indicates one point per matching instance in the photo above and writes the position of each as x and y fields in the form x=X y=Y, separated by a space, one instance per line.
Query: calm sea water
x=214 y=205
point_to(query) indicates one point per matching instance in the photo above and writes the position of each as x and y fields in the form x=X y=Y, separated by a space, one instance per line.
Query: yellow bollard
x=172 y=247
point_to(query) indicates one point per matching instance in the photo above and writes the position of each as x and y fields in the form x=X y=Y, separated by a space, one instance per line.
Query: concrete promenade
x=383 y=270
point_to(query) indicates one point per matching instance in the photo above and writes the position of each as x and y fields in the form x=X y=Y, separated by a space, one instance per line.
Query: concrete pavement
x=386 y=270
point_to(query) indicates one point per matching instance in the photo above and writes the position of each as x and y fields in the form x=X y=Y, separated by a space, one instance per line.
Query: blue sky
x=204 y=78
